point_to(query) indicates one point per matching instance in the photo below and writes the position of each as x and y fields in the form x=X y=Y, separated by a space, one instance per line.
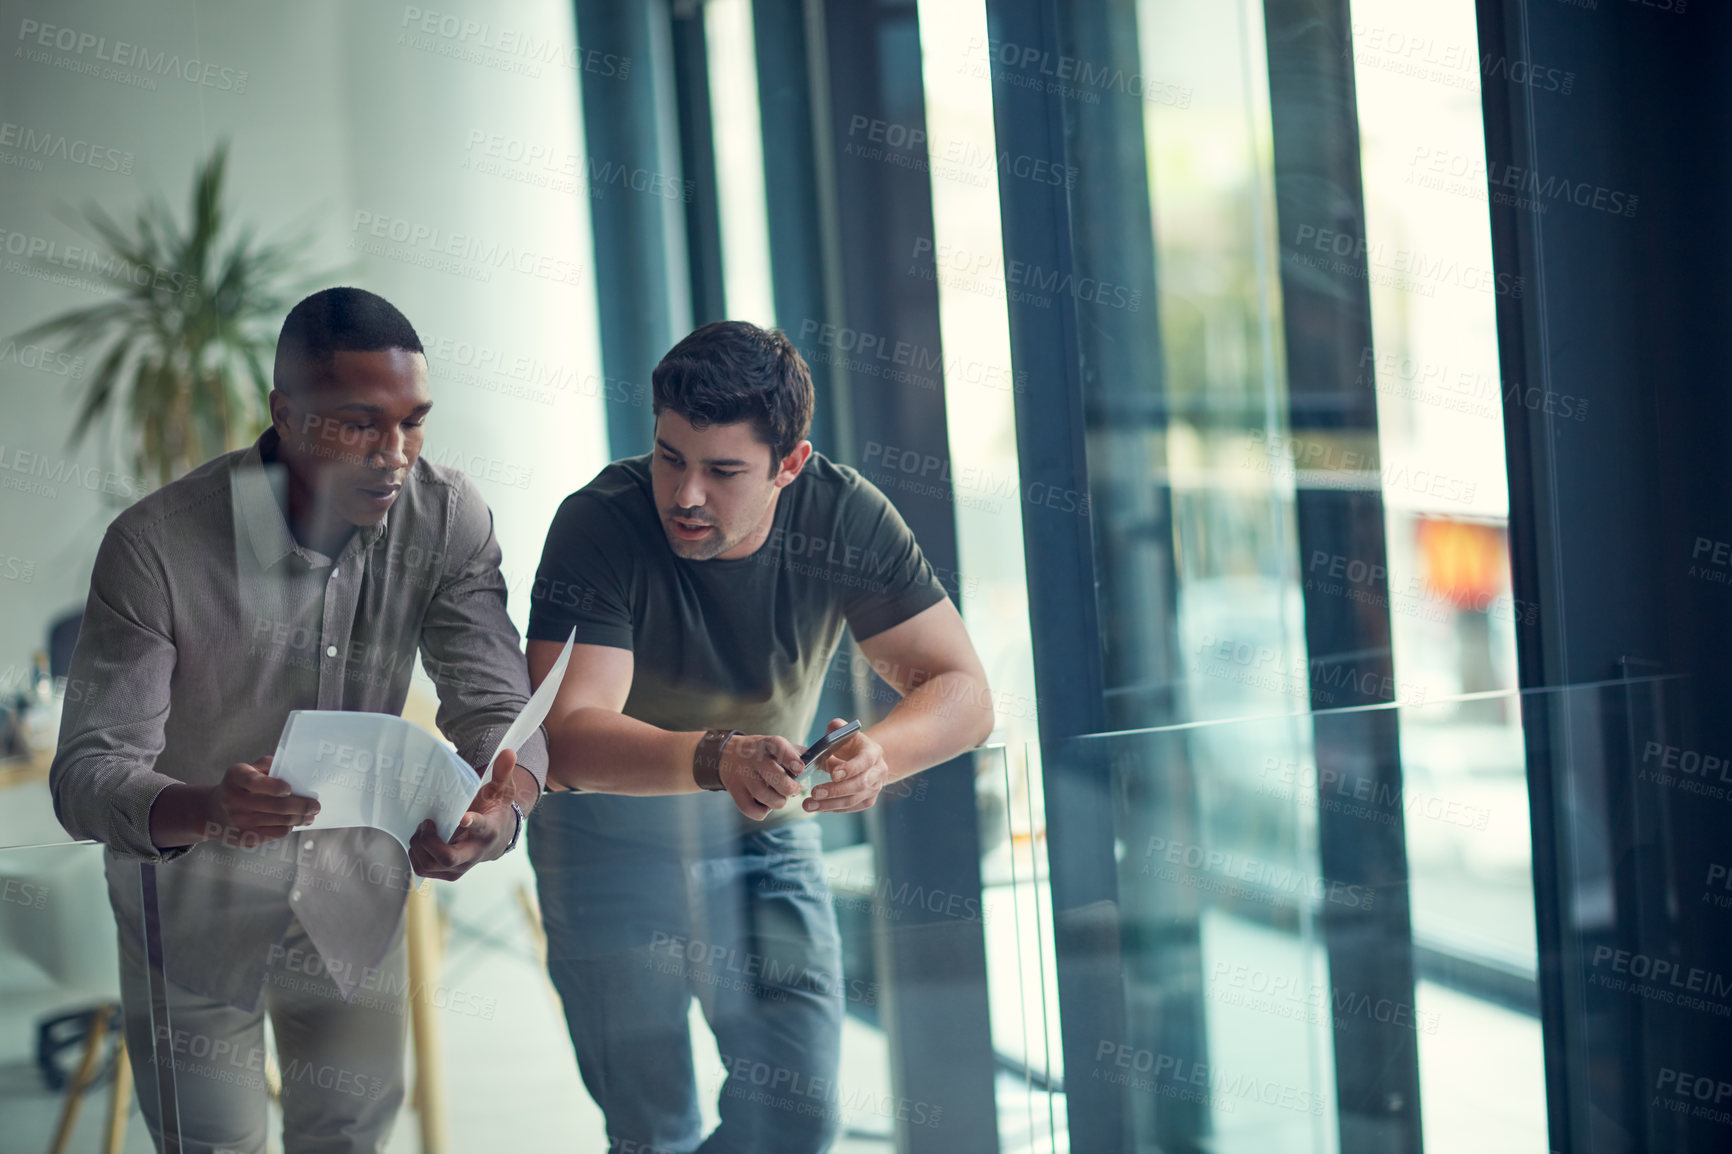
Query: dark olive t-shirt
x=726 y=644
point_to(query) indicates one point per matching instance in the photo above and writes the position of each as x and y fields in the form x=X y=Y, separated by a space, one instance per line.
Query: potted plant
x=181 y=348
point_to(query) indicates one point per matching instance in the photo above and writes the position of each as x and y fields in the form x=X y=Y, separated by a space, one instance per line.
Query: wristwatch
x=707 y=760
x=516 y=834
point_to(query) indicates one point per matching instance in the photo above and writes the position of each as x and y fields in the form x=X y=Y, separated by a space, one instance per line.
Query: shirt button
x=296 y=896
x=333 y=572
x=306 y=843
x=330 y=651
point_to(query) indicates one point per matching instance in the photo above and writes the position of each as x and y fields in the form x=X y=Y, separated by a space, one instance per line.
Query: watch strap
x=707 y=760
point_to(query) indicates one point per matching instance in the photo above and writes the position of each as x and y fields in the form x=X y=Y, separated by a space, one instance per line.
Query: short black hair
x=730 y=371
x=338 y=320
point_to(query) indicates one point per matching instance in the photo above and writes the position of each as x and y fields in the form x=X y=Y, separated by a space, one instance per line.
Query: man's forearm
x=606 y=752
x=938 y=719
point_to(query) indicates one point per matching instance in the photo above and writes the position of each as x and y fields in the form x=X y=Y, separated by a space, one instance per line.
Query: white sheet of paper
x=535 y=709
x=374 y=769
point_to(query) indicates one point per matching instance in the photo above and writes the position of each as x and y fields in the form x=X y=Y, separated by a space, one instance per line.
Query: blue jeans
x=634 y=932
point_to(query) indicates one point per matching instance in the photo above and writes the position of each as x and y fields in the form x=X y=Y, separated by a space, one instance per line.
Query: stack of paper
x=373 y=769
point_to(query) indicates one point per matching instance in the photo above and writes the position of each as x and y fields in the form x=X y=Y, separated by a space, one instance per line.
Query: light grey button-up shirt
x=207 y=623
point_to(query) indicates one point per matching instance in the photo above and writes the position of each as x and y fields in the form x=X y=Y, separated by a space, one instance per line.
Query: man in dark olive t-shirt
x=708 y=584
x=747 y=640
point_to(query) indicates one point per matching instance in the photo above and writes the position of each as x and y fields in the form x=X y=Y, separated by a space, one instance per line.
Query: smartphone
x=824 y=745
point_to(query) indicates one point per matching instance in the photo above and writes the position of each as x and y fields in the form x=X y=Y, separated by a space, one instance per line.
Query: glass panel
x=489 y=1025
x=435 y=157
x=470 y=212
x=980 y=388
x=1217 y=403
x=486 y=1013
x=31 y=704
x=739 y=146
x=1249 y=874
x=67 y=1070
x=1440 y=399
x=1223 y=907
x=484 y=1024
x=1021 y=980
x=473 y=214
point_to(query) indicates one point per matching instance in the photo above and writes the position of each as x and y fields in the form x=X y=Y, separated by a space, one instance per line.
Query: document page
x=374 y=769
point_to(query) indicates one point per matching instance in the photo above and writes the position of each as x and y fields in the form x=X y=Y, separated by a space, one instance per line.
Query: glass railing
x=67 y=1080
x=27 y=815
x=1287 y=905
x=1282 y=907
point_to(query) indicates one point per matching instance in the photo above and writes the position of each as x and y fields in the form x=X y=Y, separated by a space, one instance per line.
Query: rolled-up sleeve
x=471 y=648
x=103 y=779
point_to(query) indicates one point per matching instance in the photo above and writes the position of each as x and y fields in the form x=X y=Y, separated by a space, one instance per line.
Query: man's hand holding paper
x=249 y=804
x=373 y=769
x=482 y=834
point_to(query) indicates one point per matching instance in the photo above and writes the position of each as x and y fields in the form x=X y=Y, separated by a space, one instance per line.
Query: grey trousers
x=341 y=1063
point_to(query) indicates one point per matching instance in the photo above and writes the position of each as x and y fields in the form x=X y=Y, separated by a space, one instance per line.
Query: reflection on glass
x=472 y=211
x=981 y=387
x=1440 y=402
x=1223 y=385
x=1268 y=1080
x=423 y=156
x=71 y=1072
x=739 y=146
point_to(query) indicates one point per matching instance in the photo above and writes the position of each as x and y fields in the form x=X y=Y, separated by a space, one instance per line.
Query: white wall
x=345 y=110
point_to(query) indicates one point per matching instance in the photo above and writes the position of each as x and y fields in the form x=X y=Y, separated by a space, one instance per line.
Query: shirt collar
x=261 y=485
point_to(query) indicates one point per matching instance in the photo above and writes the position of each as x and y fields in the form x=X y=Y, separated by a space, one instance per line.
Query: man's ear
x=793 y=463
x=282 y=412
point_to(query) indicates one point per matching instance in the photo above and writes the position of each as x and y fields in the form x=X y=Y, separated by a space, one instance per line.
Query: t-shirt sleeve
x=584 y=582
x=902 y=582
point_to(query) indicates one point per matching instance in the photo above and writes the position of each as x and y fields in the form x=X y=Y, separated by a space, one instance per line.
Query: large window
x=1441 y=398
x=1224 y=796
x=1274 y=878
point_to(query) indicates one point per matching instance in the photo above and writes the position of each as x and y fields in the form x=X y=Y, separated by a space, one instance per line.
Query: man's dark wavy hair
x=729 y=371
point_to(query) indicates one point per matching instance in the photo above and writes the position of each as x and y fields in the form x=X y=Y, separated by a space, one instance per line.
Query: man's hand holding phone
x=856 y=766
x=760 y=772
